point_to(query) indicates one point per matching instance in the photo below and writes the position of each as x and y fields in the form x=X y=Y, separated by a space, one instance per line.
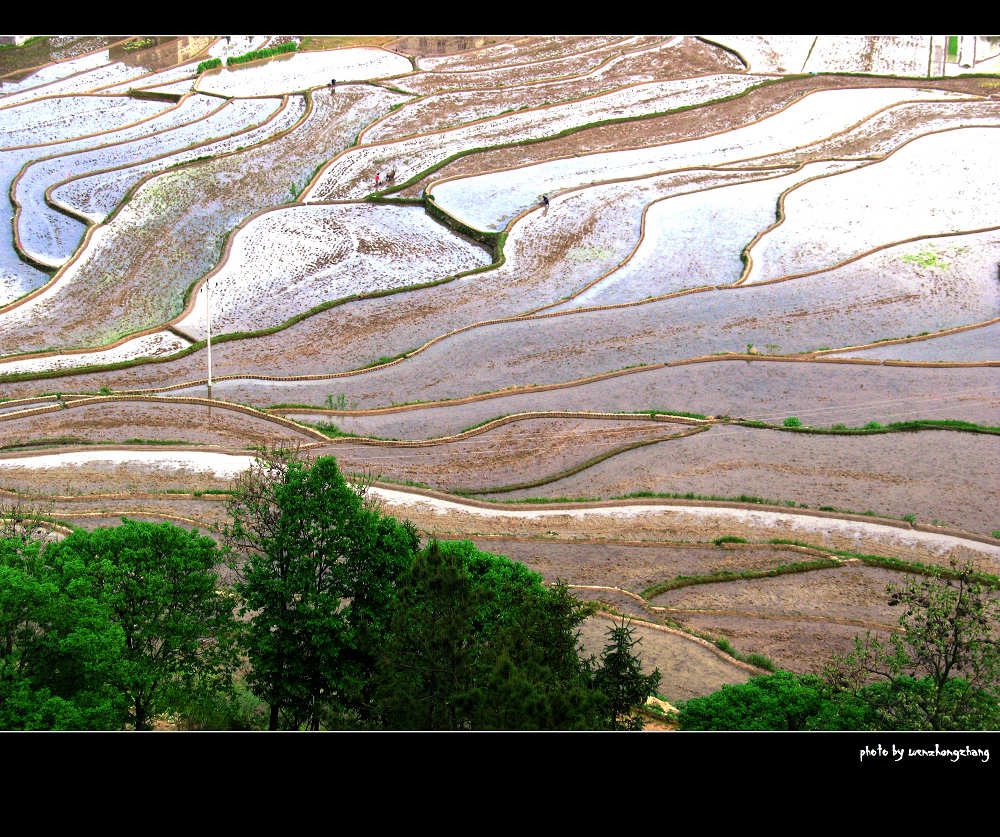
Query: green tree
x=943 y=670
x=425 y=675
x=59 y=646
x=479 y=643
x=779 y=701
x=620 y=679
x=157 y=582
x=317 y=580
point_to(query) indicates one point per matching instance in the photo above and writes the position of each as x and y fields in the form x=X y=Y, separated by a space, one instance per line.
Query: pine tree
x=621 y=681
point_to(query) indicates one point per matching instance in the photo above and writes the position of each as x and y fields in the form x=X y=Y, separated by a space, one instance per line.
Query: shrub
x=873 y=425
x=256 y=54
x=791 y=421
x=210 y=64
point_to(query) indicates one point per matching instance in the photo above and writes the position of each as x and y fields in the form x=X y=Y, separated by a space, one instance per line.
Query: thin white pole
x=208 y=312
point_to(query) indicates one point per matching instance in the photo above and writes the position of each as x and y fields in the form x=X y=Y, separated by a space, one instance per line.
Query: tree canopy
x=317 y=583
x=110 y=627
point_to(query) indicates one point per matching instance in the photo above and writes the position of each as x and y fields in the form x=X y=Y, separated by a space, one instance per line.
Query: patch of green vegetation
x=728 y=539
x=137 y=44
x=481 y=423
x=658 y=412
x=722 y=576
x=589 y=254
x=257 y=54
x=210 y=64
x=328 y=428
x=792 y=421
x=926 y=258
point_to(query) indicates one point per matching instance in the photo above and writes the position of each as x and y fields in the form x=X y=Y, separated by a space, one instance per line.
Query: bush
x=210 y=64
x=791 y=421
x=779 y=701
x=257 y=54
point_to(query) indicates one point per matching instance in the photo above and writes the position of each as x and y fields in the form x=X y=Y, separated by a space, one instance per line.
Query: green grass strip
x=566 y=473
x=913 y=567
x=727 y=575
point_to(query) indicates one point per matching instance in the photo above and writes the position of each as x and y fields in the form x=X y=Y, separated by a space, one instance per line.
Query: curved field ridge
x=351 y=175
x=300 y=71
x=695 y=239
x=157 y=344
x=758 y=306
x=95 y=196
x=174 y=226
x=489 y=201
x=939 y=183
x=286 y=261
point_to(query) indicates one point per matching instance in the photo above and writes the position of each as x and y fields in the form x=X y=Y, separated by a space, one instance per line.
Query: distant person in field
x=545 y=201
x=376 y=180
x=333 y=83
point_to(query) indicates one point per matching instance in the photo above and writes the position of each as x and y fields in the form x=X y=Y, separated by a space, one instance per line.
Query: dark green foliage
x=779 y=701
x=728 y=539
x=158 y=584
x=107 y=628
x=479 y=643
x=943 y=672
x=621 y=681
x=57 y=646
x=318 y=582
x=257 y=54
x=792 y=421
x=210 y=64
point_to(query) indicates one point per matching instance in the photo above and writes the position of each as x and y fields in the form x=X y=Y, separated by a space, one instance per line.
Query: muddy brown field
x=823 y=348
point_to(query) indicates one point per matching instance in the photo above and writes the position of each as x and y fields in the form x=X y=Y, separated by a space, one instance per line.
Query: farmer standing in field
x=545 y=201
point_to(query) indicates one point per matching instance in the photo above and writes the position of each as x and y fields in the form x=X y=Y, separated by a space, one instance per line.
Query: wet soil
x=938 y=475
x=855 y=592
x=418 y=45
x=17 y=63
x=821 y=394
x=519 y=452
x=803 y=647
x=635 y=566
x=689 y=669
x=120 y=421
x=688 y=124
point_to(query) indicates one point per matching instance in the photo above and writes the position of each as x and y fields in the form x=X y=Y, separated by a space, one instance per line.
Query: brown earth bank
x=678 y=522
x=121 y=421
x=820 y=394
x=803 y=647
x=635 y=566
x=600 y=51
x=938 y=475
x=99 y=477
x=675 y=127
x=523 y=47
x=207 y=512
x=518 y=452
x=689 y=668
x=851 y=592
x=639 y=62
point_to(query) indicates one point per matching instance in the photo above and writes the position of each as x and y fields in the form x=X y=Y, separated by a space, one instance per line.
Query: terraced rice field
x=735 y=231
